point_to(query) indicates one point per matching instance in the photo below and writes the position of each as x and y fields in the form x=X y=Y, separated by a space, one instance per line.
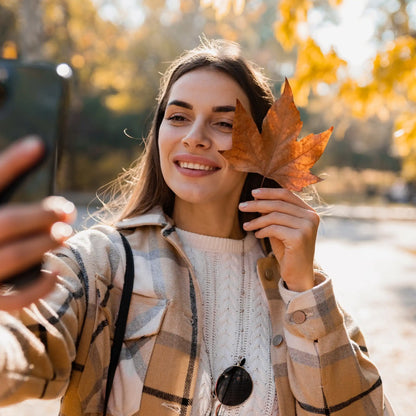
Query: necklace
x=240 y=341
x=234 y=385
x=217 y=265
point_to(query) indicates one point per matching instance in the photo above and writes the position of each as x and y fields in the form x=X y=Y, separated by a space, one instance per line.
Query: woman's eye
x=225 y=125
x=176 y=117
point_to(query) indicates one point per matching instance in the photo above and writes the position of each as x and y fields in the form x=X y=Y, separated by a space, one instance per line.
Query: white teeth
x=196 y=166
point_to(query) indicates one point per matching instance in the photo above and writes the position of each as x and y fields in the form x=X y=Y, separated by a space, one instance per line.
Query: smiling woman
x=228 y=315
x=197 y=125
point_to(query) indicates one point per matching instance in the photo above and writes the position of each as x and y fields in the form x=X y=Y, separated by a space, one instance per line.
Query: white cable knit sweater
x=218 y=267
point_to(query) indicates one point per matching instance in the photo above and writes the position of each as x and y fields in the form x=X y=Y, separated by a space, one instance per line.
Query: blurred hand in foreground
x=27 y=231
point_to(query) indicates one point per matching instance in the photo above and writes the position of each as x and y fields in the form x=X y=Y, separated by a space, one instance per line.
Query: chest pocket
x=143 y=325
x=144 y=321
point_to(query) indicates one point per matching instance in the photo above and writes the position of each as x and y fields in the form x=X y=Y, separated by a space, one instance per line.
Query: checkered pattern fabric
x=61 y=345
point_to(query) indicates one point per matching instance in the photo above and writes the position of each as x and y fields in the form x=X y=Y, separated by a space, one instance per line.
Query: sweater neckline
x=216 y=244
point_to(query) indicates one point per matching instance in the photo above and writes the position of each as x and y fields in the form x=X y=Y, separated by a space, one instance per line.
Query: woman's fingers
x=16 y=299
x=17 y=221
x=291 y=225
x=308 y=221
x=285 y=217
x=18 y=158
x=276 y=200
x=23 y=253
x=28 y=231
x=280 y=194
x=279 y=206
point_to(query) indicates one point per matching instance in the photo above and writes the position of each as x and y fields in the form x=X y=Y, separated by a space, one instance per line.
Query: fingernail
x=59 y=204
x=243 y=204
x=255 y=191
x=67 y=207
x=60 y=231
x=30 y=143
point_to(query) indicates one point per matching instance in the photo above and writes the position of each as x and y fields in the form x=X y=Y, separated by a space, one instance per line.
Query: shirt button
x=277 y=340
x=299 y=317
x=268 y=274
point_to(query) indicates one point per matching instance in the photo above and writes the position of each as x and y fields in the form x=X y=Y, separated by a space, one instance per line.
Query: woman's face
x=197 y=125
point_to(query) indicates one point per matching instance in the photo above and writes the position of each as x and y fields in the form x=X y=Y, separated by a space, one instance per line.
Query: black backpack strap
x=120 y=326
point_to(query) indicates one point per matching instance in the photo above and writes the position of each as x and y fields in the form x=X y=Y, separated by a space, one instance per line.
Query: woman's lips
x=195 y=166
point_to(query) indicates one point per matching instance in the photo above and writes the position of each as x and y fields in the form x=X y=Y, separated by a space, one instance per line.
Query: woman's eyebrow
x=223 y=109
x=217 y=109
x=180 y=103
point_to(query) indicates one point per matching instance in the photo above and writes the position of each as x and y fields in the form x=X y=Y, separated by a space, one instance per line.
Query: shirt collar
x=155 y=217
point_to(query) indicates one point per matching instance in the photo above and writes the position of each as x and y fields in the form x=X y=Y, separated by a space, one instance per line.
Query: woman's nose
x=197 y=137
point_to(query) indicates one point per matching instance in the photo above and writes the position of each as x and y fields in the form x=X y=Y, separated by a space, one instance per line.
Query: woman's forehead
x=207 y=84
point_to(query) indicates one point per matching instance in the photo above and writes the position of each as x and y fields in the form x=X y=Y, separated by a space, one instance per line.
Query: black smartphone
x=34 y=99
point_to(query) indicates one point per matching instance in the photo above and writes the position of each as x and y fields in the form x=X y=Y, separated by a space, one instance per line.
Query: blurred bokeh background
x=351 y=65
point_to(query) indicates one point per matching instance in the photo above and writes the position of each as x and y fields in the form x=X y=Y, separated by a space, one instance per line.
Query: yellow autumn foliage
x=292 y=14
x=405 y=142
x=119 y=102
x=394 y=69
x=122 y=63
x=223 y=7
x=312 y=68
x=390 y=92
x=9 y=50
x=409 y=167
x=186 y=6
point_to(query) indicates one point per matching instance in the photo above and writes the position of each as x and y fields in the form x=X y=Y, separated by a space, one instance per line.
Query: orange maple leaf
x=276 y=152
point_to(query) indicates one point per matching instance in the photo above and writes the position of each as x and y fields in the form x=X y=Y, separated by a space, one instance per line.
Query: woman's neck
x=205 y=219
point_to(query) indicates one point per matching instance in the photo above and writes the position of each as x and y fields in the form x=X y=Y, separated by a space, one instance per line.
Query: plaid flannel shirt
x=61 y=345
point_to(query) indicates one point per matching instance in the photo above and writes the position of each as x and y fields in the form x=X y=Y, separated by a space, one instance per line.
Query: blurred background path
x=373 y=266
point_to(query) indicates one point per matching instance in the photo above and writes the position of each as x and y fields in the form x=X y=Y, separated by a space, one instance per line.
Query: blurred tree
x=117 y=53
x=16 y=15
x=72 y=31
x=390 y=92
x=7 y=32
x=31 y=39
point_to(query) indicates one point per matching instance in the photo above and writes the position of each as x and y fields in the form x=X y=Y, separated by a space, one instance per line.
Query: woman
x=225 y=286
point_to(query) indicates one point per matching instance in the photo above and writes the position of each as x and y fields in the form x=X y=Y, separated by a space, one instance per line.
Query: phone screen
x=33 y=100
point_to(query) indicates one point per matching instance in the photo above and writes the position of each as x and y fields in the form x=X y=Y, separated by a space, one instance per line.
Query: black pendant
x=234 y=386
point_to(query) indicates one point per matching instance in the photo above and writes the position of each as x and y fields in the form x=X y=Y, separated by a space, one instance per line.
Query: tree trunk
x=31 y=30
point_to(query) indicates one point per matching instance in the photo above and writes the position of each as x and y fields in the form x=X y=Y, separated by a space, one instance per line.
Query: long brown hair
x=143 y=187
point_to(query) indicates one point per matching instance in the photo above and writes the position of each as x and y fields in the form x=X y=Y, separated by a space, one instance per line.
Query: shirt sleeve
x=40 y=343
x=328 y=364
